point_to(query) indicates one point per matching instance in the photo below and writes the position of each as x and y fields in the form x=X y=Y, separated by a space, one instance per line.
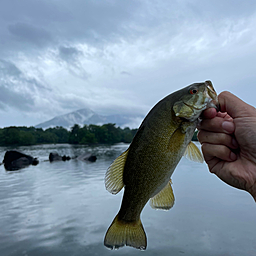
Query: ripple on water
x=63 y=209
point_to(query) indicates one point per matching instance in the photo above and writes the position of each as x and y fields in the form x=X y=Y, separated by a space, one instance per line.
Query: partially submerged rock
x=15 y=160
x=87 y=157
x=53 y=156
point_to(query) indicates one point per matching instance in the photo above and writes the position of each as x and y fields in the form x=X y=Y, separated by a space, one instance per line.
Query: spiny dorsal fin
x=114 y=175
x=193 y=153
x=164 y=200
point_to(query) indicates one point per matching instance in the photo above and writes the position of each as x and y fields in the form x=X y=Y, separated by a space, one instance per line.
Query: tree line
x=88 y=134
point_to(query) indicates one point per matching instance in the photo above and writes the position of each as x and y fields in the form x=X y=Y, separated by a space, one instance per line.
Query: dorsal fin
x=193 y=153
x=114 y=175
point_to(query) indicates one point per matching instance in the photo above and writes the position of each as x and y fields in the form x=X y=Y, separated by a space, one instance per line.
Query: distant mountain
x=87 y=116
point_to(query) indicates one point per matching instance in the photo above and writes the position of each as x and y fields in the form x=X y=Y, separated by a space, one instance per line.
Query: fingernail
x=234 y=143
x=228 y=126
x=232 y=156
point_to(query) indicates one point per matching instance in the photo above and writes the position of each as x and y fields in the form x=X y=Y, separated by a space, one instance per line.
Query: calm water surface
x=62 y=208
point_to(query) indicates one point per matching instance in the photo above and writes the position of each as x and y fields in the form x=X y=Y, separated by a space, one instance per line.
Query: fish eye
x=193 y=91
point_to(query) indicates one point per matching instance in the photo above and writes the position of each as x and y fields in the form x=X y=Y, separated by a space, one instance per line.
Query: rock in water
x=87 y=157
x=54 y=157
x=15 y=160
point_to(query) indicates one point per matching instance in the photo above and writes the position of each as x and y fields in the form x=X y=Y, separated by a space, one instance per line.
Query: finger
x=217 y=124
x=234 y=106
x=225 y=116
x=209 y=113
x=217 y=139
x=211 y=151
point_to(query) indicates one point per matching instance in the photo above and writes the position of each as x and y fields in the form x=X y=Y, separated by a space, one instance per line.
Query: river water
x=62 y=208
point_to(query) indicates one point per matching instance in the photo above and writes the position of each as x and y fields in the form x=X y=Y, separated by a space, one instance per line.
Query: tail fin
x=122 y=233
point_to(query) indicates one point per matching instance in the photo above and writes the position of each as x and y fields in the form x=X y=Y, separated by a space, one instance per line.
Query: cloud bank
x=119 y=56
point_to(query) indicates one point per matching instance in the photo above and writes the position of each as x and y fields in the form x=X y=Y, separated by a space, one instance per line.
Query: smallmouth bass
x=145 y=168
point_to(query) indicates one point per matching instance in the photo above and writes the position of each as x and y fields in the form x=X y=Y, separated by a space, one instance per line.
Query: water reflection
x=62 y=208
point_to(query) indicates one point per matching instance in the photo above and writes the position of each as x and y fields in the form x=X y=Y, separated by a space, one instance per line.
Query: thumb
x=234 y=106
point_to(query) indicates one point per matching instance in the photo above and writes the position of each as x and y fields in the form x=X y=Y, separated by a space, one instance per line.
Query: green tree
x=48 y=137
x=39 y=135
x=11 y=135
x=2 y=142
x=113 y=133
x=26 y=138
x=73 y=136
x=88 y=134
x=61 y=134
x=126 y=135
x=100 y=132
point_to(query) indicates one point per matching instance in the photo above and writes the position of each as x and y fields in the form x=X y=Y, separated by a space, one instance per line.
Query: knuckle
x=219 y=151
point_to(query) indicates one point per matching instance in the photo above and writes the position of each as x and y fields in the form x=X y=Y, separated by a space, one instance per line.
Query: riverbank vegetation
x=88 y=134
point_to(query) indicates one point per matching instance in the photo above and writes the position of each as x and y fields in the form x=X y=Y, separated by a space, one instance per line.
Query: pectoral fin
x=193 y=153
x=114 y=175
x=164 y=199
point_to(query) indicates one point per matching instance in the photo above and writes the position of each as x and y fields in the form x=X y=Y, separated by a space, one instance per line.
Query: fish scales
x=144 y=170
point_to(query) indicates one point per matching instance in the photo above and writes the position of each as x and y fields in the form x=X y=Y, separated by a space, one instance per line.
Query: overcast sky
x=119 y=56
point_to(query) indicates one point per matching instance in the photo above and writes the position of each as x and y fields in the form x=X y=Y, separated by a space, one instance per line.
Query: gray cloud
x=222 y=9
x=18 y=100
x=70 y=57
x=12 y=75
x=16 y=89
x=112 y=54
x=31 y=34
x=8 y=69
x=45 y=22
x=72 y=102
x=69 y=53
x=125 y=73
x=49 y=23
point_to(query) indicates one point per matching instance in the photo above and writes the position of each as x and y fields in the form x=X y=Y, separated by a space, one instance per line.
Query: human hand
x=228 y=141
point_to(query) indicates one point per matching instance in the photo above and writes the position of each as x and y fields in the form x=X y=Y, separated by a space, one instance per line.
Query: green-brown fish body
x=145 y=168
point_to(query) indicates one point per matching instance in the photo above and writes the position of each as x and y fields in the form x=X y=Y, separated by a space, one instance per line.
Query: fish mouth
x=196 y=108
x=211 y=96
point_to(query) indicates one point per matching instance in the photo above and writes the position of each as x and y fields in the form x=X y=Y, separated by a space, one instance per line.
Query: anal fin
x=164 y=200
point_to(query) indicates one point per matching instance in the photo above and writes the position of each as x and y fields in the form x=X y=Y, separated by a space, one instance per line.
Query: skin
x=228 y=141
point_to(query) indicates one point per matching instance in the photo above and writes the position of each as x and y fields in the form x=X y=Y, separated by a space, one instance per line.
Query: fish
x=144 y=170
